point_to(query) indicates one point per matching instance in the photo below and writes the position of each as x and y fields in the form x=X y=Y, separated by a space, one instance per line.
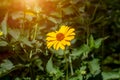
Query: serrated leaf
x=94 y=66
x=3 y=43
x=49 y=67
x=4 y=25
x=83 y=49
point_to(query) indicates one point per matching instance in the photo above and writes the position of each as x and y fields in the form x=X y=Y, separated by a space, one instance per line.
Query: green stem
x=36 y=27
x=71 y=67
x=34 y=37
x=32 y=73
x=66 y=65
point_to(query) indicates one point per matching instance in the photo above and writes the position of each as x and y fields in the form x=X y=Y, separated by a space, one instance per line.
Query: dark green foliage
x=94 y=54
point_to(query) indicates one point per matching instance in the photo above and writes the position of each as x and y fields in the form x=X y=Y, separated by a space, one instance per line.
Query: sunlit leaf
x=15 y=33
x=3 y=43
x=52 y=20
x=4 y=25
x=26 y=42
x=56 y=14
x=7 y=65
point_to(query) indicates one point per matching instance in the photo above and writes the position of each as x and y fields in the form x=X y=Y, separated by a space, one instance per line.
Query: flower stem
x=71 y=67
x=66 y=65
x=35 y=32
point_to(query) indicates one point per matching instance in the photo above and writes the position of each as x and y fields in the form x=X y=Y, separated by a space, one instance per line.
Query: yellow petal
x=64 y=29
x=69 y=38
x=72 y=34
x=51 y=34
x=50 y=38
x=65 y=43
x=62 y=46
x=70 y=31
x=49 y=44
x=55 y=44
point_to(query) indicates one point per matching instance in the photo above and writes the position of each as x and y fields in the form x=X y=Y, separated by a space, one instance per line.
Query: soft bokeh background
x=95 y=50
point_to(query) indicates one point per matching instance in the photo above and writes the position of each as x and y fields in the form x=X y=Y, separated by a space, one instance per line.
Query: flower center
x=60 y=36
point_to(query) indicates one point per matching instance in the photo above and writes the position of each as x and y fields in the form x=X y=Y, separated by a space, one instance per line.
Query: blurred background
x=100 y=18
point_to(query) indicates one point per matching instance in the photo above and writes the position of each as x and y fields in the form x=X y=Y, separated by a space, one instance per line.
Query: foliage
x=93 y=55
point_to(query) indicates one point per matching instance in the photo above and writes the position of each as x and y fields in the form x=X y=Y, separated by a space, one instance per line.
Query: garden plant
x=59 y=39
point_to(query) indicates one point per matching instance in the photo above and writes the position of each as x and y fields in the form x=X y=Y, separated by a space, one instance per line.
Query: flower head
x=60 y=38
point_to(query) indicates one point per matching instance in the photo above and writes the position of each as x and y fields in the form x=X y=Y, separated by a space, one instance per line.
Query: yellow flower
x=1 y=33
x=60 y=38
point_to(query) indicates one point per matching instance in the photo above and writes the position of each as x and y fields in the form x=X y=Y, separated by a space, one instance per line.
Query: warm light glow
x=31 y=4
x=30 y=1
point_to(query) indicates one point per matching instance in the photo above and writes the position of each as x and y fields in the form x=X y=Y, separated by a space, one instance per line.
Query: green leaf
x=111 y=75
x=15 y=33
x=5 y=67
x=26 y=42
x=83 y=49
x=68 y=10
x=49 y=67
x=91 y=43
x=53 y=20
x=38 y=62
x=3 y=43
x=94 y=66
x=56 y=14
x=58 y=74
x=78 y=76
x=4 y=25
x=98 y=19
x=99 y=41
